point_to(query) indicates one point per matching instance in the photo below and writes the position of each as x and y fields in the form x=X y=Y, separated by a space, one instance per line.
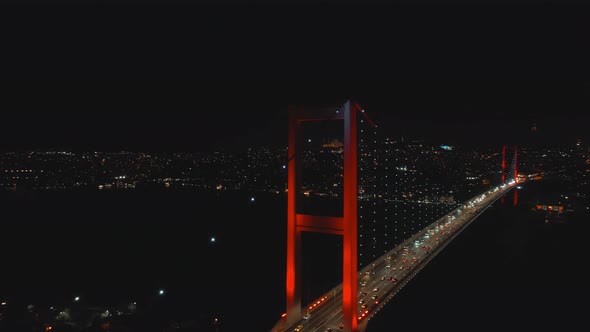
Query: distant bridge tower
x=503 y=163
x=515 y=169
x=513 y=174
x=345 y=226
x=513 y=165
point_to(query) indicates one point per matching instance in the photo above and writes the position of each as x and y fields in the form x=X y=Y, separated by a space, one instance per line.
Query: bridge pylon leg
x=293 y=234
x=350 y=259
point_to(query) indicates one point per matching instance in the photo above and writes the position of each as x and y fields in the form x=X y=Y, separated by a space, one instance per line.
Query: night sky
x=187 y=77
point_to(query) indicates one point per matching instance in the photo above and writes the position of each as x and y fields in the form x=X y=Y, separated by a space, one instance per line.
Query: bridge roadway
x=387 y=275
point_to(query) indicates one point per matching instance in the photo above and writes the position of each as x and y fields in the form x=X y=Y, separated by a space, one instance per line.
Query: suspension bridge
x=394 y=219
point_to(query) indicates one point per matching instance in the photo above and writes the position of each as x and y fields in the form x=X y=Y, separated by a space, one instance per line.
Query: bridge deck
x=388 y=274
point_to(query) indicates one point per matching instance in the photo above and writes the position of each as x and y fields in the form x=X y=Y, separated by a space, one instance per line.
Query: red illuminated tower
x=345 y=225
x=514 y=166
x=514 y=163
x=515 y=202
x=503 y=163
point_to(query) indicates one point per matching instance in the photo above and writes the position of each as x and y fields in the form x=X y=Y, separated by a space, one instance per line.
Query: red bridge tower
x=345 y=225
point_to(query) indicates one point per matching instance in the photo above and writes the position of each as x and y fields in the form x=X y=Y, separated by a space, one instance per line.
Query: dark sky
x=189 y=77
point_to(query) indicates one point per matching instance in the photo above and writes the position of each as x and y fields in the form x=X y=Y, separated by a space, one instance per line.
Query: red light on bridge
x=364 y=314
x=318 y=302
x=284 y=315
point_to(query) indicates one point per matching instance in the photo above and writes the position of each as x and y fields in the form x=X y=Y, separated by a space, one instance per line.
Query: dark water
x=112 y=247
x=507 y=270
